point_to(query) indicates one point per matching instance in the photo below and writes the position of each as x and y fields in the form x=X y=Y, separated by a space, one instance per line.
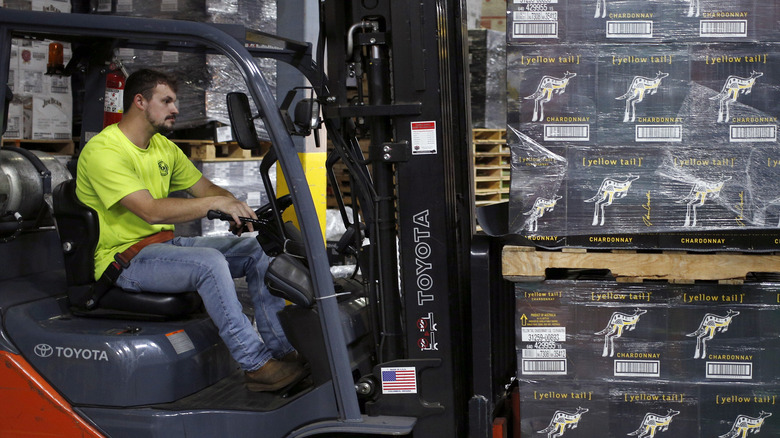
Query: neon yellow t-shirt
x=111 y=167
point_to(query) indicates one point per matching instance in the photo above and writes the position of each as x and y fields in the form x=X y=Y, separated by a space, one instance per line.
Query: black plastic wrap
x=203 y=79
x=592 y=331
x=646 y=144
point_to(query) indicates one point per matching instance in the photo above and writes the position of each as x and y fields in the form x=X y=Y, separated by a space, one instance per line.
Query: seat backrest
x=78 y=229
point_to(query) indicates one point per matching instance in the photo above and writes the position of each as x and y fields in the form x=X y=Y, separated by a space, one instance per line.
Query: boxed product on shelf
x=736 y=411
x=19 y=119
x=641 y=88
x=43 y=102
x=609 y=410
x=609 y=191
x=735 y=89
x=607 y=332
x=551 y=93
x=52 y=117
x=537 y=204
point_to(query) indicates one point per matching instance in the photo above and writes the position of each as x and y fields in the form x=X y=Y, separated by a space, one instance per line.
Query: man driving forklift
x=125 y=173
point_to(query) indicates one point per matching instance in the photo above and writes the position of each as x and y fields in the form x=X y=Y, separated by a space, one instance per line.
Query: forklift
x=418 y=341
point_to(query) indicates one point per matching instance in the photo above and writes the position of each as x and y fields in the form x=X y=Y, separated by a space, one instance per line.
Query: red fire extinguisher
x=115 y=86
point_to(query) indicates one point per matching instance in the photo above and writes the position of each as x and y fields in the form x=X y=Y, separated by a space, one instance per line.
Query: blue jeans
x=208 y=265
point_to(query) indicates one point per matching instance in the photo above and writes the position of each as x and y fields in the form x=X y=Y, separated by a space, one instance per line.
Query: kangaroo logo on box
x=640 y=86
x=710 y=324
x=541 y=205
x=562 y=420
x=653 y=423
x=544 y=91
x=610 y=189
x=733 y=87
x=745 y=424
x=618 y=323
x=700 y=192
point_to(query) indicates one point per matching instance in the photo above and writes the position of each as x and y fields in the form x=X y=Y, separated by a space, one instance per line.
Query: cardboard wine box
x=739 y=411
x=610 y=332
x=641 y=88
x=734 y=96
x=553 y=91
x=537 y=206
x=609 y=410
x=611 y=190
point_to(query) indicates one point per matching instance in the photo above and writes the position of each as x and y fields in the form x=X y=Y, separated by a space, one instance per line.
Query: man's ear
x=139 y=101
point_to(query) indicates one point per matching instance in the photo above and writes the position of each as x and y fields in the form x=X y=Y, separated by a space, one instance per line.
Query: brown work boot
x=274 y=375
x=293 y=357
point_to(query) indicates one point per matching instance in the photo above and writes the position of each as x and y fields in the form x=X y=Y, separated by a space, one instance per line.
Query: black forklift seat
x=78 y=229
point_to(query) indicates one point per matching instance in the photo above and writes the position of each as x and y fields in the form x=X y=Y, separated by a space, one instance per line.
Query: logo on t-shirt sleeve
x=163 y=168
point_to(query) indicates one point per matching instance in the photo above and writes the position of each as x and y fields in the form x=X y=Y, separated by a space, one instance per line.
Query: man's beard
x=161 y=128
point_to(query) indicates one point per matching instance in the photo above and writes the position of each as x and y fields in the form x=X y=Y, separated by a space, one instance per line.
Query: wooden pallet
x=55 y=147
x=208 y=150
x=492 y=162
x=521 y=263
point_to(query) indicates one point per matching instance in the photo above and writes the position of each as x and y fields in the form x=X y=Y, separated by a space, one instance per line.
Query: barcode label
x=723 y=28
x=543 y=334
x=730 y=370
x=548 y=367
x=753 y=133
x=638 y=368
x=566 y=132
x=629 y=29
x=544 y=353
x=525 y=29
x=650 y=133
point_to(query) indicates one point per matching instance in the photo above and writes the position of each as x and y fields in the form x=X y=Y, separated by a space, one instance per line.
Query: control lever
x=216 y=214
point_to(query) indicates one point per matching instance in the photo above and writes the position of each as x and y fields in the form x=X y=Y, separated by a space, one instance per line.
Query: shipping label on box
x=641 y=89
x=735 y=93
x=555 y=92
x=536 y=21
x=611 y=190
x=32 y=66
x=537 y=206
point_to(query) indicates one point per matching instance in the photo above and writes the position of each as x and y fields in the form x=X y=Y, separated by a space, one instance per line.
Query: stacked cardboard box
x=42 y=107
x=636 y=124
x=609 y=356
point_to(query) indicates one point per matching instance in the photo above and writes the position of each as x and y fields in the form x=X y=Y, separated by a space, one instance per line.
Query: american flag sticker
x=401 y=380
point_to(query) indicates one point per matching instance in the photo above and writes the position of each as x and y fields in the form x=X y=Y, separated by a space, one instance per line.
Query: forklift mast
x=399 y=80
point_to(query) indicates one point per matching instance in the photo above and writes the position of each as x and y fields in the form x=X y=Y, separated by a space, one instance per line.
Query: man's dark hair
x=143 y=82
